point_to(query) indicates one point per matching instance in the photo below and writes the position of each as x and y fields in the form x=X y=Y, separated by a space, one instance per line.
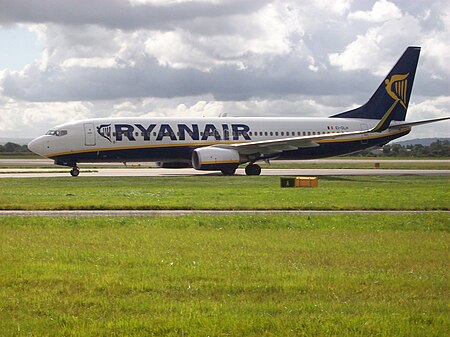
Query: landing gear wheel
x=228 y=171
x=74 y=172
x=253 y=170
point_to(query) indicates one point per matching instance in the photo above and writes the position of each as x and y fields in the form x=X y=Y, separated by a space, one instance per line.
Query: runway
x=139 y=213
x=158 y=172
x=49 y=162
x=44 y=168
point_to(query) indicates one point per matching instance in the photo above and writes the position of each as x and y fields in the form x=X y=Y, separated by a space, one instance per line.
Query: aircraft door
x=364 y=137
x=89 y=134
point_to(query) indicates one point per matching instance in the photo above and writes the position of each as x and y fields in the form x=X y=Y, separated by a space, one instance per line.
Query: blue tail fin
x=392 y=96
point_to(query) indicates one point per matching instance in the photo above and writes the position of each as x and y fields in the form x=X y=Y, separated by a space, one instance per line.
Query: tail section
x=390 y=101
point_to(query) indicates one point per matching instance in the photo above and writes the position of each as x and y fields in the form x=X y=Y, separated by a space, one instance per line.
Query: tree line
x=13 y=148
x=439 y=148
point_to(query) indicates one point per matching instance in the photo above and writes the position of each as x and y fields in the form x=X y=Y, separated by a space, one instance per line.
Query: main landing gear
x=250 y=170
x=253 y=169
x=75 y=171
x=228 y=171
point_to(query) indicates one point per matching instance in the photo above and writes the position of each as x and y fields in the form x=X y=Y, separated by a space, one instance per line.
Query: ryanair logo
x=397 y=88
x=104 y=130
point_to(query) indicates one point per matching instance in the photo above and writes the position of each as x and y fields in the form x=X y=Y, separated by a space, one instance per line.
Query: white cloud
x=374 y=50
x=31 y=119
x=261 y=35
x=92 y=62
x=381 y=11
x=430 y=108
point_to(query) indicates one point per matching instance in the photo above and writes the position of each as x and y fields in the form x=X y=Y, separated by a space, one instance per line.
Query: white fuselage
x=174 y=139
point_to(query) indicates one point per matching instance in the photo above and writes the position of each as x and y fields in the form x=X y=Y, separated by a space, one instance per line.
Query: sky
x=68 y=60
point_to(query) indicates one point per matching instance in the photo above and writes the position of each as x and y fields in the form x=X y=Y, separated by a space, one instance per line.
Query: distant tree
x=13 y=147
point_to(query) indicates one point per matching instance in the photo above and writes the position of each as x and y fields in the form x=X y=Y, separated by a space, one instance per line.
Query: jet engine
x=215 y=158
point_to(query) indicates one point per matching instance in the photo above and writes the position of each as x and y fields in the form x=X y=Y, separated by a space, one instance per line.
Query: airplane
x=224 y=143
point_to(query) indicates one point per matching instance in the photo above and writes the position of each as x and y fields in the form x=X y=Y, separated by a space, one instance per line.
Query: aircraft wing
x=285 y=144
x=274 y=146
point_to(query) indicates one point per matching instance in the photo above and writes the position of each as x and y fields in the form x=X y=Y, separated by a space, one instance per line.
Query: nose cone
x=37 y=146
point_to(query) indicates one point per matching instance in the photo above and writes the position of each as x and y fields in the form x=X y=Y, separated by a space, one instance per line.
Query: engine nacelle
x=215 y=158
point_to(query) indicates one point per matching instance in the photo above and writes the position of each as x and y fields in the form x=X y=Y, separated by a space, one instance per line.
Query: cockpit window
x=57 y=133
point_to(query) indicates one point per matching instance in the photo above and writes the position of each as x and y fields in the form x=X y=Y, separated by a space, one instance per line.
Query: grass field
x=370 y=275
x=217 y=192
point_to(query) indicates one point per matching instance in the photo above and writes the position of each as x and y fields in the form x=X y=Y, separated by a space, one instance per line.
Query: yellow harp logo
x=397 y=87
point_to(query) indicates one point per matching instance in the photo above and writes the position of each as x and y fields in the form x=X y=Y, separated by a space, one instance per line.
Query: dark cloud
x=149 y=79
x=118 y=13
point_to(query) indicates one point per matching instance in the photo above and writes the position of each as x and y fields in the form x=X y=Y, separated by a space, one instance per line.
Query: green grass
x=352 y=275
x=217 y=192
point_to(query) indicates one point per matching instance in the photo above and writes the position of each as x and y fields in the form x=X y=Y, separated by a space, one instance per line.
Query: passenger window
x=271 y=133
x=276 y=133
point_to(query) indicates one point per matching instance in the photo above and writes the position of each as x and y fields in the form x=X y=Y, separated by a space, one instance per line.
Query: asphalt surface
x=49 y=162
x=45 y=168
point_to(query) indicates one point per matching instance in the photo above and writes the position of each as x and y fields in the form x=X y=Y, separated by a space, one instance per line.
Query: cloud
x=118 y=14
x=381 y=11
x=183 y=58
x=377 y=49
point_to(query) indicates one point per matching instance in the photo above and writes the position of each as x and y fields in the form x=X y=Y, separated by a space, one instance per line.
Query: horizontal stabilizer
x=402 y=125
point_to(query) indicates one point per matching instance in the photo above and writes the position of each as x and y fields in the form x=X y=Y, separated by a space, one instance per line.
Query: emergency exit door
x=89 y=134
